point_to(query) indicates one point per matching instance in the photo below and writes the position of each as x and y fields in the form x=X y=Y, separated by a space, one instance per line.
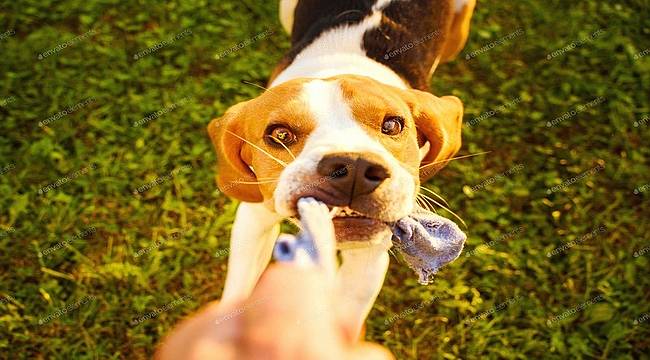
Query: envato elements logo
x=160 y=179
x=231 y=185
x=221 y=252
x=641 y=252
x=644 y=121
x=495 y=43
x=162 y=112
x=162 y=44
x=641 y=54
x=499 y=307
x=9 y=230
x=7 y=168
x=66 y=112
x=7 y=298
x=160 y=310
x=641 y=189
x=410 y=310
x=65 y=310
x=7 y=34
x=411 y=45
x=575 y=44
x=580 y=108
x=6 y=101
x=507 y=236
x=80 y=235
x=235 y=313
x=243 y=44
x=575 y=179
x=488 y=114
x=66 y=44
x=588 y=236
x=158 y=244
x=498 y=177
x=63 y=180
x=573 y=311
x=641 y=319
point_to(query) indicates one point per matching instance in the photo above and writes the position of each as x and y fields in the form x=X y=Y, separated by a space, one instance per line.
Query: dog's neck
x=324 y=66
x=339 y=51
x=399 y=43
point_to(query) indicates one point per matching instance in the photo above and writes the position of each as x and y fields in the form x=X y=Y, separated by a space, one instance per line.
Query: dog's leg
x=361 y=277
x=251 y=244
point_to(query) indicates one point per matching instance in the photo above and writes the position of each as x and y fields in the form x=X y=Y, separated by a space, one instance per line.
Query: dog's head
x=349 y=141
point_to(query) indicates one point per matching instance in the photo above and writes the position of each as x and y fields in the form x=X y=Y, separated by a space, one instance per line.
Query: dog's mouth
x=353 y=226
x=346 y=212
x=357 y=224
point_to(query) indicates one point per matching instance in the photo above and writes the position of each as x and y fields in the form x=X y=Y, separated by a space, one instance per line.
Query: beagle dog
x=347 y=120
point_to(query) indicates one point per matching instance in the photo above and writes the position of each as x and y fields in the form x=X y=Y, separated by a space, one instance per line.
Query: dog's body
x=398 y=42
x=342 y=122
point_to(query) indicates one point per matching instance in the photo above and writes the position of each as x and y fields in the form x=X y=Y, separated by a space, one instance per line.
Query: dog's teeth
x=347 y=212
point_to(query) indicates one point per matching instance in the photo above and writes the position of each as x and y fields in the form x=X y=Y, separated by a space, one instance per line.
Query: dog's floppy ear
x=234 y=173
x=438 y=122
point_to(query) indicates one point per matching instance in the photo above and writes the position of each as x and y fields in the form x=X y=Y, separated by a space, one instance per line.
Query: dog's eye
x=392 y=125
x=279 y=134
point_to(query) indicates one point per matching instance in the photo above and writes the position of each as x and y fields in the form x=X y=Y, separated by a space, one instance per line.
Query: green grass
x=112 y=256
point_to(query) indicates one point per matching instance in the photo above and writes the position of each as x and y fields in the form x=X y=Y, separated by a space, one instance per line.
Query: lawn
x=112 y=229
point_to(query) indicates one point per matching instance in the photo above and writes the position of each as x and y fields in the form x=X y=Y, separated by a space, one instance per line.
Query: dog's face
x=349 y=141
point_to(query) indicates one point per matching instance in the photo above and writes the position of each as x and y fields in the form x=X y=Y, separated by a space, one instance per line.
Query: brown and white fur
x=357 y=71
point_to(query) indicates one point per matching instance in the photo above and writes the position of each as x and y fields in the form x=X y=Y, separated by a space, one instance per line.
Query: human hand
x=291 y=314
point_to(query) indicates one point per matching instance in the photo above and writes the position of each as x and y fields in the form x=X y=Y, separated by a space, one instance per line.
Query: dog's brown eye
x=392 y=125
x=280 y=135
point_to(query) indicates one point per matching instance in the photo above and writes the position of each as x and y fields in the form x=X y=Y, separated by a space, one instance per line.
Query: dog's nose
x=353 y=174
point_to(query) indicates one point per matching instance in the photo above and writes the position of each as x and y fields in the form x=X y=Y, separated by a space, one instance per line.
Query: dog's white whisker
x=454 y=158
x=284 y=146
x=258 y=148
x=253 y=84
x=418 y=202
x=435 y=194
x=449 y=210
x=423 y=204
x=429 y=199
x=427 y=205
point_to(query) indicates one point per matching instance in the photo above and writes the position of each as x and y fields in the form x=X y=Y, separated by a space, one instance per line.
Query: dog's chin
x=361 y=230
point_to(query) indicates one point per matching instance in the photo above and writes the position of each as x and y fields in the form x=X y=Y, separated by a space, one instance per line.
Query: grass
x=128 y=220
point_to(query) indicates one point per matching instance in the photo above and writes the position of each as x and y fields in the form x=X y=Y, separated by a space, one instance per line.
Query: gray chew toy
x=426 y=241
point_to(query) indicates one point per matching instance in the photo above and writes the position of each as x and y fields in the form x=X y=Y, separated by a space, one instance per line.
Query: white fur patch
x=381 y=4
x=338 y=131
x=339 y=51
x=460 y=4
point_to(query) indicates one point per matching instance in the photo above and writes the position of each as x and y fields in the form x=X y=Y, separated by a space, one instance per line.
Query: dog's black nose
x=353 y=174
